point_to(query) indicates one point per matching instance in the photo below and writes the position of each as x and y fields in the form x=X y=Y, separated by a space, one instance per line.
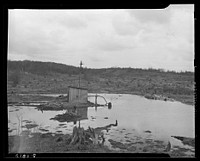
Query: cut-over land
x=28 y=77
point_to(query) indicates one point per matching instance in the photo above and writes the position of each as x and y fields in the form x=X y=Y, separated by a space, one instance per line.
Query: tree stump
x=78 y=136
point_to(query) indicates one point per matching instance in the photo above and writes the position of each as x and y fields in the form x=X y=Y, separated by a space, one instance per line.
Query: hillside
x=47 y=77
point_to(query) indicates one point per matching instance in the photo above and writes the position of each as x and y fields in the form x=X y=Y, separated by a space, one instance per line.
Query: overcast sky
x=105 y=38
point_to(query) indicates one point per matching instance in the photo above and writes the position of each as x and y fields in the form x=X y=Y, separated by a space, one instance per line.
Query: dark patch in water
x=58 y=131
x=30 y=126
x=10 y=130
x=147 y=131
x=62 y=124
x=66 y=117
x=105 y=117
x=27 y=121
x=41 y=129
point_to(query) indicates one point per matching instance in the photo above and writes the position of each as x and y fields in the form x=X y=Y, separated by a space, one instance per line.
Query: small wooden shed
x=77 y=94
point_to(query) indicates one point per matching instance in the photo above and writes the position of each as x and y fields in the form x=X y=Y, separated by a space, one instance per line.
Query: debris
x=66 y=117
x=147 y=131
x=30 y=126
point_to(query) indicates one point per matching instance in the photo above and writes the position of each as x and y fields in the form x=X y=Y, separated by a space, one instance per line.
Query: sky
x=142 y=38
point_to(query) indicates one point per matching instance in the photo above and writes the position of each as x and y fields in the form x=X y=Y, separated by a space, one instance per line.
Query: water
x=135 y=115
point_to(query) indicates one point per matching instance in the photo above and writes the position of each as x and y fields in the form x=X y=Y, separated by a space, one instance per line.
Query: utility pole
x=79 y=84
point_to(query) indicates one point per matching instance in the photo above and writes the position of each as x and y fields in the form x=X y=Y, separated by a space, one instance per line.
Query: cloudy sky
x=161 y=38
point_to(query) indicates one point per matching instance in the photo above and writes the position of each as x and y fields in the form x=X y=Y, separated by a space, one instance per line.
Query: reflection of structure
x=82 y=112
x=96 y=104
x=96 y=96
x=77 y=94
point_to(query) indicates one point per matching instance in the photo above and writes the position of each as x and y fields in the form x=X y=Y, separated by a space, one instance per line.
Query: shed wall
x=79 y=95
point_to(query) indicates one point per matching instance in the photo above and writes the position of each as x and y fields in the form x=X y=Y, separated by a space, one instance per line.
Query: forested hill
x=43 y=68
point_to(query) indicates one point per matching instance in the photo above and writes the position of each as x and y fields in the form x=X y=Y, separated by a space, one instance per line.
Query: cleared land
x=41 y=77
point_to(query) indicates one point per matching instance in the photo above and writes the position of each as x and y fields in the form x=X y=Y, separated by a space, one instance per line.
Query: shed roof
x=78 y=87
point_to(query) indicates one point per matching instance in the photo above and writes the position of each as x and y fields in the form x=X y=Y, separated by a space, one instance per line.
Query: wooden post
x=95 y=100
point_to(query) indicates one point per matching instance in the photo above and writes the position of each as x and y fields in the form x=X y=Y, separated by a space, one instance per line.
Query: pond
x=139 y=119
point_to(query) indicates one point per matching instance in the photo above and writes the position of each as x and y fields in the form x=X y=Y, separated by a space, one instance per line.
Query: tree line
x=45 y=68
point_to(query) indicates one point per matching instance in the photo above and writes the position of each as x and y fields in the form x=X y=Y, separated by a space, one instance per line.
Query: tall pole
x=79 y=84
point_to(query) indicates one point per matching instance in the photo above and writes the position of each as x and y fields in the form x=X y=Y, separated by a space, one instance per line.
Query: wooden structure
x=77 y=94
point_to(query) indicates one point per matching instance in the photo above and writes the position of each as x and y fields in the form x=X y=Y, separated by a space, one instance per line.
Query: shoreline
x=21 y=97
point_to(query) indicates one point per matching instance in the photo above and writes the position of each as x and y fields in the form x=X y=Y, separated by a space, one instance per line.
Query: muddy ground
x=59 y=143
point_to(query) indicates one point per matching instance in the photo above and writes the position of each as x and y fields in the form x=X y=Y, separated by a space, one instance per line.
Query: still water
x=135 y=115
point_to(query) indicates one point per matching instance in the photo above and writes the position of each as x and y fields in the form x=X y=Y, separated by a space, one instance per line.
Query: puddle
x=140 y=121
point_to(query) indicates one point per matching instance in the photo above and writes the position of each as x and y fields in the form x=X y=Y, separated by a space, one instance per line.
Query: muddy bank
x=59 y=143
x=51 y=143
x=17 y=99
x=158 y=97
x=44 y=103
